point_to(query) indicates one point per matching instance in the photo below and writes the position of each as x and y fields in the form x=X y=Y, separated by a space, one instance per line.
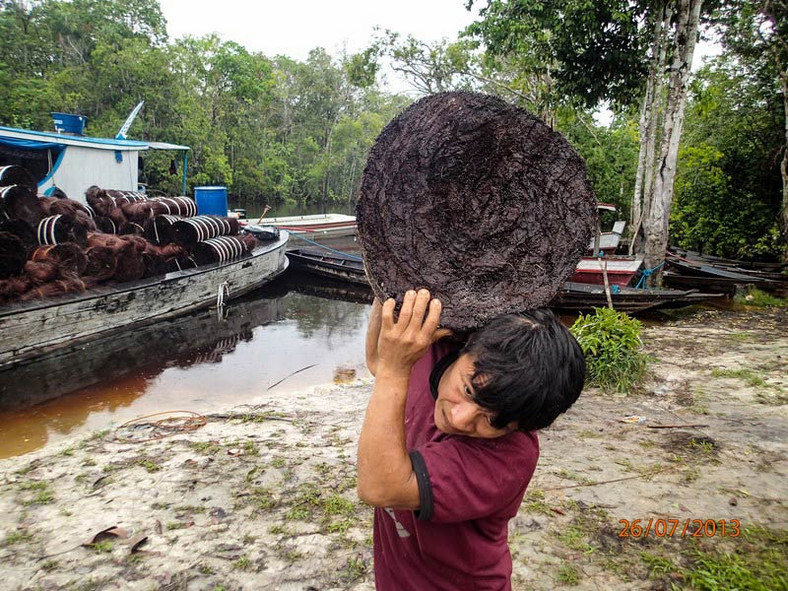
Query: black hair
x=528 y=369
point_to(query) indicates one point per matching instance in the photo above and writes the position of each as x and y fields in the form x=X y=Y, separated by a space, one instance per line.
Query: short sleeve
x=462 y=479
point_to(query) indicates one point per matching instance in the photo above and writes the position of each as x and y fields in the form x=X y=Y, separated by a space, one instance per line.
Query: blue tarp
x=29 y=144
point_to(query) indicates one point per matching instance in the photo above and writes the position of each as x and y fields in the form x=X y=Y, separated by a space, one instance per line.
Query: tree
x=756 y=31
x=728 y=183
x=598 y=51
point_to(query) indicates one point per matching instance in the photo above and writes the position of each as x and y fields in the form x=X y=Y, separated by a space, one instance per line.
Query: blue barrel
x=68 y=123
x=211 y=200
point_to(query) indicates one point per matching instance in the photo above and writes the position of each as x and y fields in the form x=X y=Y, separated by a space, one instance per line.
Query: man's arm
x=385 y=473
x=373 y=335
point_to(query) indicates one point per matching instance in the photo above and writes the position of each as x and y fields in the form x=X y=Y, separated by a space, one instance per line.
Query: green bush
x=611 y=343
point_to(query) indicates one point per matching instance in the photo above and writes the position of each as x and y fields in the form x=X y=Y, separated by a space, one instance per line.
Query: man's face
x=455 y=411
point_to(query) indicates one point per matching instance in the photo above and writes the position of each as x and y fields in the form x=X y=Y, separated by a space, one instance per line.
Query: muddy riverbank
x=263 y=496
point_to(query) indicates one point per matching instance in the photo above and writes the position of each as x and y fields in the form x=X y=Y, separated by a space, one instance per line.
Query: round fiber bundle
x=131 y=228
x=183 y=206
x=22 y=230
x=139 y=211
x=99 y=200
x=65 y=206
x=476 y=200
x=190 y=231
x=57 y=287
x=159 y=229
x=13 y=255
x=219 y=250
x=57 y=229
x=114 y=243
x=18 y=202
x=130 y=266
x=17 y=175
x=12 y=288
x=68 y=256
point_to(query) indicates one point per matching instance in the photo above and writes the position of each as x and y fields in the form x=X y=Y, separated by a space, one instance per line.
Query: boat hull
x=334 y=267
x=31 y=329
x=620 y=271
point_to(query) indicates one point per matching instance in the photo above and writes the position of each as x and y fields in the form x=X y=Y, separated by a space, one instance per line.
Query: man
x=448 y=443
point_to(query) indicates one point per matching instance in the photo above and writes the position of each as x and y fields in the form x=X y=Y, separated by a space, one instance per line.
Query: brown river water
x=292 y=334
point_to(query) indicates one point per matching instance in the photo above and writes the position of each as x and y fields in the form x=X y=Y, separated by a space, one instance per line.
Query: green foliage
x=589 y=51
x=611 y=343
x=728 y=188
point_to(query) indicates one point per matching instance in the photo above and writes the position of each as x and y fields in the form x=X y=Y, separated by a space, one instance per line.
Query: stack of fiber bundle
x=130 y=211
x=70 y=246
x=476 y=200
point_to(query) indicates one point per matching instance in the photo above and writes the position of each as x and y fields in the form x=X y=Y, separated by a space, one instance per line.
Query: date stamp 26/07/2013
x=696 y=528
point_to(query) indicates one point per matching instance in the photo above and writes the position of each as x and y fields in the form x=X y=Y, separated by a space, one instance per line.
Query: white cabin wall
x=81 y=168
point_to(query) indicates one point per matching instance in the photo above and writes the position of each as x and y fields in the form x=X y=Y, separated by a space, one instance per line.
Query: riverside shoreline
x=263 y=496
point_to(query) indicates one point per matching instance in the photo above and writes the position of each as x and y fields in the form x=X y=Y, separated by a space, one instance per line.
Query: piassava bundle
x=50 y=245
x=476 y=200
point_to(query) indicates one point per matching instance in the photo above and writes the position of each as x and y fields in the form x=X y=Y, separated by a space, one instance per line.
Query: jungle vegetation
x=701 y=154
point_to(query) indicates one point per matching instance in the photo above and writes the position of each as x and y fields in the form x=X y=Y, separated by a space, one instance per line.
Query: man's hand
x=402 y=342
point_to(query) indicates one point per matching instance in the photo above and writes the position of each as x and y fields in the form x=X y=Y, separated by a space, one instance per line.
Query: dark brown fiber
x=478 y=201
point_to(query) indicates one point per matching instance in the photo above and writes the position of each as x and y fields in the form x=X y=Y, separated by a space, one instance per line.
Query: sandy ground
x=263 y=497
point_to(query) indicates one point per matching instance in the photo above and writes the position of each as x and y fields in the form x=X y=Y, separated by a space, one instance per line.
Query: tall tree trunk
x=649 y=122
x=784 y=164
x=658 y=215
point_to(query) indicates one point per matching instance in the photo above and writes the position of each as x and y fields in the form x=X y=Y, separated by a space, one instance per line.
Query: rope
x=339 y=252
x=645 y=273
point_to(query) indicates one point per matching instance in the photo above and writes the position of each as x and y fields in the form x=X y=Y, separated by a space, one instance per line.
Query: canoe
x=343 y=267
x=312 y=226
x=37 y=327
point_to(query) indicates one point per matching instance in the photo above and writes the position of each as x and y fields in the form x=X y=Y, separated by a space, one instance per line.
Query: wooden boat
x=685 y=273
x=343 y=267
x=37 y=327
x=573 y=296
x=583 y=297
x=312 y=226
x=620 y=270
x=775 y=268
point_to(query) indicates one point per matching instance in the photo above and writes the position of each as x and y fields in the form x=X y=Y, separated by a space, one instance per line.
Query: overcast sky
x=293 y=27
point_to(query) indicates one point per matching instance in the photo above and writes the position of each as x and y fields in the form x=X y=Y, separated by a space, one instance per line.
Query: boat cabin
x=72 y=162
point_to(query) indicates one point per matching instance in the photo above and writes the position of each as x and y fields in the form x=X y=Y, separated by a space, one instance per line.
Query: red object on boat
x=620 y=271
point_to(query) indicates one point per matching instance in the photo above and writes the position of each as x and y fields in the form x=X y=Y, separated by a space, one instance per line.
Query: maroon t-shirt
x=469 y=489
